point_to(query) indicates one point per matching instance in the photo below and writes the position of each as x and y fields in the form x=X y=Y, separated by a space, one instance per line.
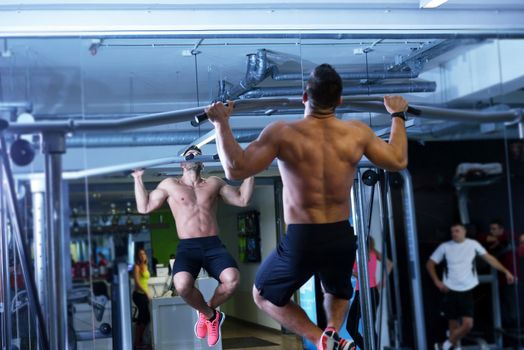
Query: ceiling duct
x=409 y=87
x=258 y=69
x=380 y=75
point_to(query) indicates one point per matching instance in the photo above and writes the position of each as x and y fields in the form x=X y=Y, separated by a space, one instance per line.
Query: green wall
x=164 y=239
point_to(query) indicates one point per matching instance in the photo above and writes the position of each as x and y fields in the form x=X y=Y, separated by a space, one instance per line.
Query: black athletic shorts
x=327 y=250
x=458 y=304
x=208 y=252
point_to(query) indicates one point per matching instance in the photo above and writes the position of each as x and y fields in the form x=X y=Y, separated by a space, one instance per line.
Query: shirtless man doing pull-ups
x=317 y=158
x=193 y=203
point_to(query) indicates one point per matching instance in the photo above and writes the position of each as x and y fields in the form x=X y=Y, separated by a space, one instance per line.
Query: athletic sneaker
x=214 y=328
x=200 y=326
x=346 y=345
x=328 y=340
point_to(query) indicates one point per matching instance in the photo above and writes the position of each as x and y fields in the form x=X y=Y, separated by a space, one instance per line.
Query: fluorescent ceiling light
x=431 y=4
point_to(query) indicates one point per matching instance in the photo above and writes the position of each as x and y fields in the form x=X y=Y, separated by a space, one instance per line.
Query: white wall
x=242 y=305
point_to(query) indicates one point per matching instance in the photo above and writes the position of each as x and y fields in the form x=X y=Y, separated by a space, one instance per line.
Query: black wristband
x=401 y=115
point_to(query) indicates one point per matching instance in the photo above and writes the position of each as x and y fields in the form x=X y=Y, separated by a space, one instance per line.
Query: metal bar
x=495 y=305
x=142 y=121
x=371 y=104
x=362 y=259
x=201 y=141
x=384 y=280
x=462 y=194
x=122 y=301
x=53 y=147
x=270 y=34
x=27 y=106
x=414 y=260
x=39 y=241
x=25 y=260
x=6 y=285
x=469 y=116
x=394 y=258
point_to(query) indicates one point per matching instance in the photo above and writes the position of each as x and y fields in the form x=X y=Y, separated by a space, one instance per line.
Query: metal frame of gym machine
x=53 y=333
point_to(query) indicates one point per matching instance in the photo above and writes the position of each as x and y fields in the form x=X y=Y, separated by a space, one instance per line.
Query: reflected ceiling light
x=431 y=4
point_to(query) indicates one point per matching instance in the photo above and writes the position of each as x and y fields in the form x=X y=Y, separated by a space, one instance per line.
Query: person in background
x=460 y=278
x=354 y=314
x=141 y=295
x=498 y=243
x=102 y=261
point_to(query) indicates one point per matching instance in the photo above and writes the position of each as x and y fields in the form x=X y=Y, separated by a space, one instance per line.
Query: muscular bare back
x=317 y=159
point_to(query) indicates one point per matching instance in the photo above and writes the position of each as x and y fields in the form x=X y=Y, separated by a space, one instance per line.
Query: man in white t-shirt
x=460 y=278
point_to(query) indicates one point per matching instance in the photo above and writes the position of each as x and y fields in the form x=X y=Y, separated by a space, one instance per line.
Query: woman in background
x=141 y=295
x=354 y=310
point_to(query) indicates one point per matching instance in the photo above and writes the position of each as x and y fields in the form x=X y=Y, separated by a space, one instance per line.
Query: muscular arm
x=146 y=203
x=432 y=270
x=490 y=259
x=239 y=196
x=238 y=163
x=392 y=155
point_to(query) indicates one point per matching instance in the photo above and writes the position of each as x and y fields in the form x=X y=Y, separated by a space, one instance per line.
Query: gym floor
x=237 y=334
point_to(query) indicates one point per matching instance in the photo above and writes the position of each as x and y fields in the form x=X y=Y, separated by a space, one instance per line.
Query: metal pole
x=53 y=147
x=414 y=260
x=22 y=249
x=462 y=193
x=394 y=258
x=39 y=243
x=121 y=301
x=367 y=104
x=384 y=276
x=495 y=302
x=362 y=259
x=6 y=287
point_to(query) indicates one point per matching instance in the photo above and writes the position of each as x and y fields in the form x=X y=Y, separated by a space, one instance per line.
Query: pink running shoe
x=329 y=340
x=200 y=326
x=346 y=345
x=214 y=328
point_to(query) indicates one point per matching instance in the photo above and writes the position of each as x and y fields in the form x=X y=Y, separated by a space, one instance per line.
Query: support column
x=53 y=146
x=7 y=318
x=413 y=260
x=396 y=278
x=362 y=259
x=39 y=242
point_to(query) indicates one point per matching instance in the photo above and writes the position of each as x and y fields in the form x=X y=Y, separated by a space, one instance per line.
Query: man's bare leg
x=336 y=310
x=185 y=287
x=229 y=280
x=460 y=332
x=291 y=316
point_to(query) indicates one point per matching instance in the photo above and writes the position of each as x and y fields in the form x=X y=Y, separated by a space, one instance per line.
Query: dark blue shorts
x=327 y=250
x=208 y=252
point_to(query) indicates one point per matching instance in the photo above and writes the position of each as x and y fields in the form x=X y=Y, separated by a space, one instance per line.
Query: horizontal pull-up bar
x=75 y=175
x=361 y=104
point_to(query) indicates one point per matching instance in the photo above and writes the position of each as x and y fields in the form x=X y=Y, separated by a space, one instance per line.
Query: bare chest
x=204 y=195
